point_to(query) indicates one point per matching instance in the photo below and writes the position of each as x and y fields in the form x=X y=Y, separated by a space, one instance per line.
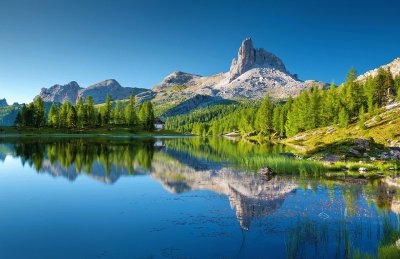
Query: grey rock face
x=99 y=91
x=177 y=78
x=60 y=93
x=393 y=66
x=3 y=103
x=249 y=57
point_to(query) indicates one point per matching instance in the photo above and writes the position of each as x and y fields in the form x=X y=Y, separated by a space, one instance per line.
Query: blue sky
x=45 y=42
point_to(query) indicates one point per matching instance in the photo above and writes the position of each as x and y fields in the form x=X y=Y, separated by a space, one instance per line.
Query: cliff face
x=60 y=93
x=253 y=74
x=249 y=57
x=99 y=91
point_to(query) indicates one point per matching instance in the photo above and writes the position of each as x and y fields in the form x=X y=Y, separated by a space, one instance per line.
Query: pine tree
x=389 y=83
x=370 y=93
x=81 y=113
x=107 y=110
x=361 y=118
x=64 y=110
x=380 y=86
x=18 y=119
x=90 y=112
x=130 y=112
x=276 y=119
x=72 y=117
x=264 y=116
x=397 y=86
x=343 y=118
x=314 y=109
x=146 y=116
x=53 y=119
x=39 y=113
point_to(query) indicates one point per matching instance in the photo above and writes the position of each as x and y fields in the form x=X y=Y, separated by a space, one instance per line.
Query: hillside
x=382 y=130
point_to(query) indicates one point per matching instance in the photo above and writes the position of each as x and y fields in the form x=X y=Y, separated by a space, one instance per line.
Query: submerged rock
x=266 y=171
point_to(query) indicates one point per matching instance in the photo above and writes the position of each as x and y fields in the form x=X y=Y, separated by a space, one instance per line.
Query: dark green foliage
x=130 y=113
x=361 y=118
x=344 y=119
x=265 y=116
x=85 y=115
x=72 y=117
x=32 y=115
x=53 y=119
x=90 y=112
x=146 y=116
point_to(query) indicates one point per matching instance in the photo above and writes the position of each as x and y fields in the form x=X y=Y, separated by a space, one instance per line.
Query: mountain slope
x=381 y=129
x=255 y=73
x=394 y=67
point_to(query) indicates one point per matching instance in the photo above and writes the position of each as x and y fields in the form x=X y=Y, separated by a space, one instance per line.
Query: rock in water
x=266 y=171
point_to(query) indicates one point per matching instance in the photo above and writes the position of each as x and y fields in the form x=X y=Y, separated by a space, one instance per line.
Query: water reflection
x=357 y=216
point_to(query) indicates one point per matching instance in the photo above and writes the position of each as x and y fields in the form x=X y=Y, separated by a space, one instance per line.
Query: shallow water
x=181 y=198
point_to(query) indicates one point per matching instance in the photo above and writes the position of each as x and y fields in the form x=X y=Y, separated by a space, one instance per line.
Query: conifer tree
x=276 y=119
x=264 y=116
x=90 y=111
x=39 y=113
x=63 y=114
x=361 y=118
x=81 y=113
x=107 y=111
x=53 y=119
x=344 y=119
x=146 y=116
x=72 y=117
x=130 y=112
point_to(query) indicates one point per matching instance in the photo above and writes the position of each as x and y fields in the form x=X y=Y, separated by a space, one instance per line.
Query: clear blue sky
x=44 y=42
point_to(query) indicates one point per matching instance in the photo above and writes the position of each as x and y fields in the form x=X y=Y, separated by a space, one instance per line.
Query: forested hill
x=354 y=101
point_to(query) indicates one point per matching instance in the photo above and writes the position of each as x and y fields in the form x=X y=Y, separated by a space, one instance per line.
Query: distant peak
x=249 y=57
x=108 y=82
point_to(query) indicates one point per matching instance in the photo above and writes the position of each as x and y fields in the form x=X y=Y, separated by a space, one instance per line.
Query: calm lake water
x=182 y=198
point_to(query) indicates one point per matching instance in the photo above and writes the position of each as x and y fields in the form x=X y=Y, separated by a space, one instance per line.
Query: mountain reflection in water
x=183 y=165
x=301 y=215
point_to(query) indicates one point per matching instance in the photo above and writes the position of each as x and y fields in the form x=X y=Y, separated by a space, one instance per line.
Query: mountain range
x=252 y=75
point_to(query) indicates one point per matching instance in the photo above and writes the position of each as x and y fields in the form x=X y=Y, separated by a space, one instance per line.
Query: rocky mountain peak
x=394 y=67
x=3 y=103
x=176 y=78
x=106 y=83
x=60 y=93
x=249 y=57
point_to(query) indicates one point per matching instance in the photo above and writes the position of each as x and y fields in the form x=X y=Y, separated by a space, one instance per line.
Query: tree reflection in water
x=358 y=214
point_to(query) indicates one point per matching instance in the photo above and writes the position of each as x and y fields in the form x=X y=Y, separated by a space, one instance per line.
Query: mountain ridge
x=99 y=91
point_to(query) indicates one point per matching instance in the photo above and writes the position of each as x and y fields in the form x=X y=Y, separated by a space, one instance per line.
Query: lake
x=184 y=198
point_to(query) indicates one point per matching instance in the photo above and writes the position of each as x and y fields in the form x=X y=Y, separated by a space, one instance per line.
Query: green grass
x=380 y=131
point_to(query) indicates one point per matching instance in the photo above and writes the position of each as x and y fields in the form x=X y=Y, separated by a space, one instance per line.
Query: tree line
x=313 y=108
x=84 y=114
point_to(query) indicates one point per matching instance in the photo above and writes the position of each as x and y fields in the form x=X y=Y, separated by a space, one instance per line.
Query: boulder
x=361 y=143
x=266 y=171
